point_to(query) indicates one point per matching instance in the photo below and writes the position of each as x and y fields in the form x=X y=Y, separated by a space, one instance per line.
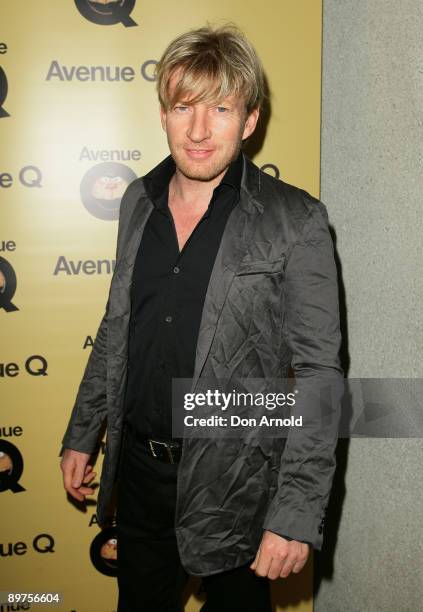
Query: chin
x=199 y=174
x=201 y=171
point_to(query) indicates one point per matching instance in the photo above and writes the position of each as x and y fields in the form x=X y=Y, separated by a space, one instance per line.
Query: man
x=222 y=272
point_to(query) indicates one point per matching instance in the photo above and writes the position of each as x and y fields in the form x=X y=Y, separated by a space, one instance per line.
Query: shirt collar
x=157 y=180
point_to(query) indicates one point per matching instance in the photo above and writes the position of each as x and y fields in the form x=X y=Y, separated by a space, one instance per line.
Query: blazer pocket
x=260 y=267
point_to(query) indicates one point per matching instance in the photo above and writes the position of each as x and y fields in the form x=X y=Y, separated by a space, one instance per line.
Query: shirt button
x=168 y=319
x=176 y=270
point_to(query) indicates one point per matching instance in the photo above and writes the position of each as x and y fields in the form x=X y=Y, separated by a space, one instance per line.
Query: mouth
x=199 y=153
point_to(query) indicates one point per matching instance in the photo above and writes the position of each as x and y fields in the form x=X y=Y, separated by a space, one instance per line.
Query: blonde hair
x=212 y=64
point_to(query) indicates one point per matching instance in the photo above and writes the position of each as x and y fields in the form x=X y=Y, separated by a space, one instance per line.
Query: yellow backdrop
x=77 y=93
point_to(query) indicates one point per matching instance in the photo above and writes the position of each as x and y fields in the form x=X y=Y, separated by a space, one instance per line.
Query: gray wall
x=372 y=185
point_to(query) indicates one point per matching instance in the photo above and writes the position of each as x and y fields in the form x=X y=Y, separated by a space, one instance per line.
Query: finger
x=89 y=477
x=78 y=475
x=263 y=563
x=254 y=563
x=75 y=493
x=68 y=471
x=287 y=566
x=302 y=558
x=275 y=568
x=85 y=491
x=68 y=468
x=78 y=496
x=298 y=566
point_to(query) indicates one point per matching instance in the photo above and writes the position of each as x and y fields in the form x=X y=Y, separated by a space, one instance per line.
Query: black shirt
x=167 y=297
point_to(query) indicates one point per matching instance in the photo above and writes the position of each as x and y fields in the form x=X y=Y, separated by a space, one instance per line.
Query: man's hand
x=76 y=473
x=277 y=557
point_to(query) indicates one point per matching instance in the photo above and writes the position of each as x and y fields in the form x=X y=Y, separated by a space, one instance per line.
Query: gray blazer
x=271 y=304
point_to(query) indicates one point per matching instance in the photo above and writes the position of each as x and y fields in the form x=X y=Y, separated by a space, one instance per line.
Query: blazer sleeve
x=90 y=408
x=312 y=331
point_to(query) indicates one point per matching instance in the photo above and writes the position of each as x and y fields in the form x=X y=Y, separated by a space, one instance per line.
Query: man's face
x=205 y=138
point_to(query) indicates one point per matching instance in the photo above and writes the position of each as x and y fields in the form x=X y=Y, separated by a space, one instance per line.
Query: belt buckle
x=168 y=449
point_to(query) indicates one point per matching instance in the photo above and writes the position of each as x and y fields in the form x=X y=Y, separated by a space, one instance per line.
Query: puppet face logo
x=108 y=551
x=102 y=189
x=3 y=93
x=7 y=286
x=11 y=467
x=109 y=188
x=107 y=12
x=103 y=551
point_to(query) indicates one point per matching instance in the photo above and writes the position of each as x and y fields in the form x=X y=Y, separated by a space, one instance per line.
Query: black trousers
x=151 y=577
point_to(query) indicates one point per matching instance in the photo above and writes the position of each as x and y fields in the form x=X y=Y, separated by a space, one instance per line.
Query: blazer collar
x=250 y=181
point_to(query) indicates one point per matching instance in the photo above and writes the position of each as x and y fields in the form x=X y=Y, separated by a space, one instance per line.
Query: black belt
x=168 y=451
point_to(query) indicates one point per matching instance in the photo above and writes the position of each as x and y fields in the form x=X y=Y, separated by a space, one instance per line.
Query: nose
x=199 y=129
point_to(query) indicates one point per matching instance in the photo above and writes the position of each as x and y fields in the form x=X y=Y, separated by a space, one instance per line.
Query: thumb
x=78 y=474
x=254 y=563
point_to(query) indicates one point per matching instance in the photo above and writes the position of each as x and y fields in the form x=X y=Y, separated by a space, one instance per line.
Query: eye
x=221 y=109
x=181 y=108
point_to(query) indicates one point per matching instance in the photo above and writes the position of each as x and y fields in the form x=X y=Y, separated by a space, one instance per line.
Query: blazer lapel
x=120 y=303
x=135 y=230
x=129 y=243
x=130 y=240
x=233 y=247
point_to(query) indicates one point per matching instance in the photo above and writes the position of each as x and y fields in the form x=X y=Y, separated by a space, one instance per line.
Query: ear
x=163 y=117
x=250 y=123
